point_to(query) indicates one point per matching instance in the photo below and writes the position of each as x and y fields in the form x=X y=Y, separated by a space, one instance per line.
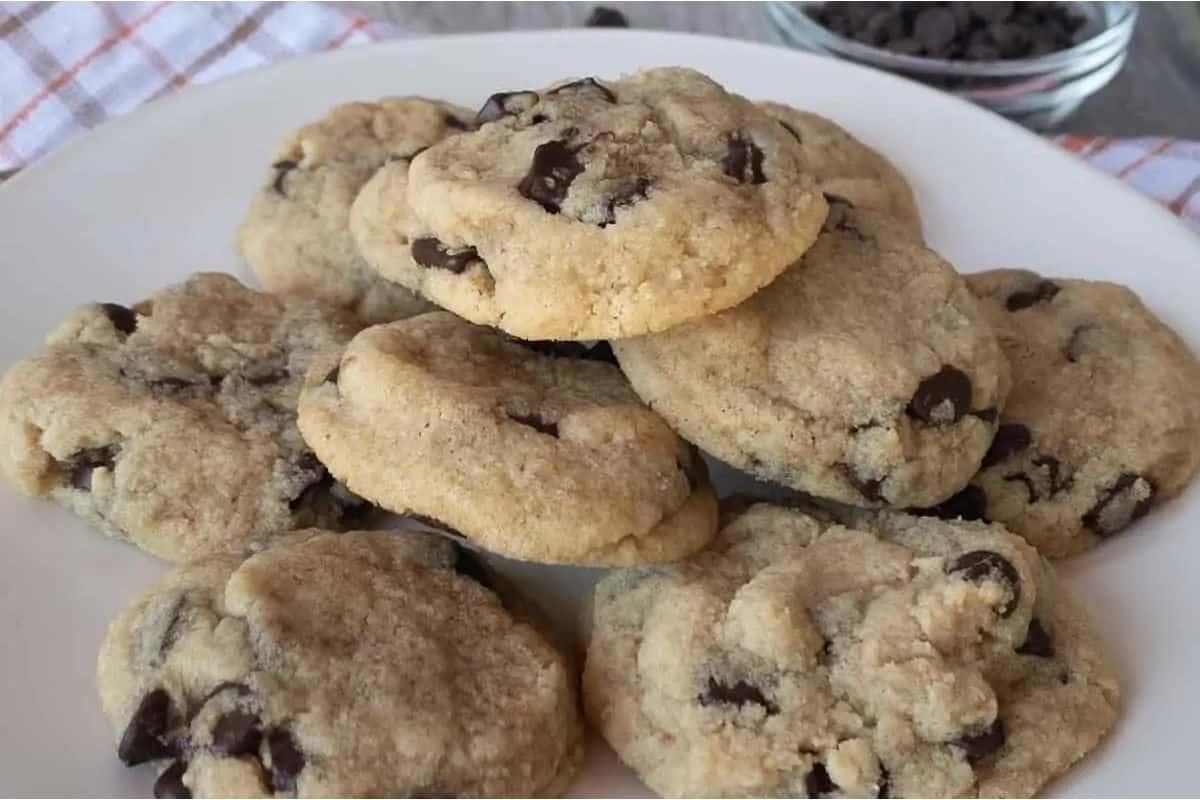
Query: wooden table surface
x=1156 y=94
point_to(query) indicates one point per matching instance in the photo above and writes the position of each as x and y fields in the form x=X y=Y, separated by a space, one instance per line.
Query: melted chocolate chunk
x=1126 y=500
x=237 y=733
x=867 y=487
x=818 y=783
x=586 y=84
x=743 y=160
x=980 y=745
x=1043 y=293
x=504 y=104
x=1037 y=641
x=282 y=168
x=942 y=398
x=550 y=175
x=737 y=694
x=969 y=503
x=980 y=565
x=286 y=760
x=1011 y=438
x=624 y=199
x=170 y=782
x=145 y=737
x=82 y=464
x=123 y=319
x=535 y=422
x=430 y=252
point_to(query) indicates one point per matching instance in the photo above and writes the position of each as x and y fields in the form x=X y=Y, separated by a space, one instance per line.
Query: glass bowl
x=1037 y=92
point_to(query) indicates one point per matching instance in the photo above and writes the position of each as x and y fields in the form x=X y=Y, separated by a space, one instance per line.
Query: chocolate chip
x=979 y=565
x=867 y=487
x=332 y=377
x=1043 y=293
x=980 y=745
x=586 y=84
x=1037 y=641
x=837 y=199
x=550 y=174
x=144 y=738
x=286 y=760
x=624 y=198
x=818 y=783
x=737 y=694
x=282 y=168
x=469 y=565
x=237 y=733
x=123 y=319
x=969 y=503
x=503 y=104
x=1126 y=500
x=1011 y=438
x=454 y=123
x=942 y=398
x=83 y=463
x=743 y=160
x=430 y=252
x=604 y=17
x=170 y=782
x=535 y=422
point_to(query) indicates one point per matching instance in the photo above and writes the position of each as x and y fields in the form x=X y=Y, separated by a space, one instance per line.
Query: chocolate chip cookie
x=896 y=657
x=600 y=209
x=847 y=168
x=172 y=424
x=524 y=449
x=1103 y=421
x=867 y=373
x=295 y=235
x=338 y=665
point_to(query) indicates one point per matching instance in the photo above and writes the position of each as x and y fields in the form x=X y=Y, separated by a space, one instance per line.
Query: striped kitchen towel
x=67 y=67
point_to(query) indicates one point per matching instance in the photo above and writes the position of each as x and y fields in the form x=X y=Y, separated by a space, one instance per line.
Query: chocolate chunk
x=1011 y=438
x=469 y=565
x=942 y=398
x=867 y=487
x=503 y=104
x=535 y=422
x=1043 y=293
x=625 y=197
x=980 y=565
x=454 y=123
x=430 y=252
x=818 y=783
x=1037 y=641
x=1124 y=501
x=743 y=160
x=123 y=319
x=737 y=694
x=969 y=503
x=586 y=84
x=286 y=760
x=282 y=168
x=604 y=17
x=237 y=733
x=549 y=178
x=83 y=463
x=980 y=745
x=332 y=377
x=144 y=738
x=170 y=782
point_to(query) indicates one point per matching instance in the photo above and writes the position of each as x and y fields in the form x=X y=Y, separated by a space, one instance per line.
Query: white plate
x=149 y=198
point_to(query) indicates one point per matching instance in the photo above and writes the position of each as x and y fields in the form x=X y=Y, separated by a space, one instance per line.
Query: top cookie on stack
x=597 y=210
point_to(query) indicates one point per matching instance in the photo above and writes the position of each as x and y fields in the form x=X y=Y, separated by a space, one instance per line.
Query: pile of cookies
x=510 y=332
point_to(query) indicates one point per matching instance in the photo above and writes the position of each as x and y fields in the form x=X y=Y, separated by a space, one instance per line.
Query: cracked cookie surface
x=295 y=235
x=528 y=452
x=338 y=665
x=895 y=657
x=172 y=424
x=1103 y=421
x=600 y=209
x=867 y=373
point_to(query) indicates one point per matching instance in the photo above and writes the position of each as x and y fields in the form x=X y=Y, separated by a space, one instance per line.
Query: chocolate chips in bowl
x=1032 y=62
